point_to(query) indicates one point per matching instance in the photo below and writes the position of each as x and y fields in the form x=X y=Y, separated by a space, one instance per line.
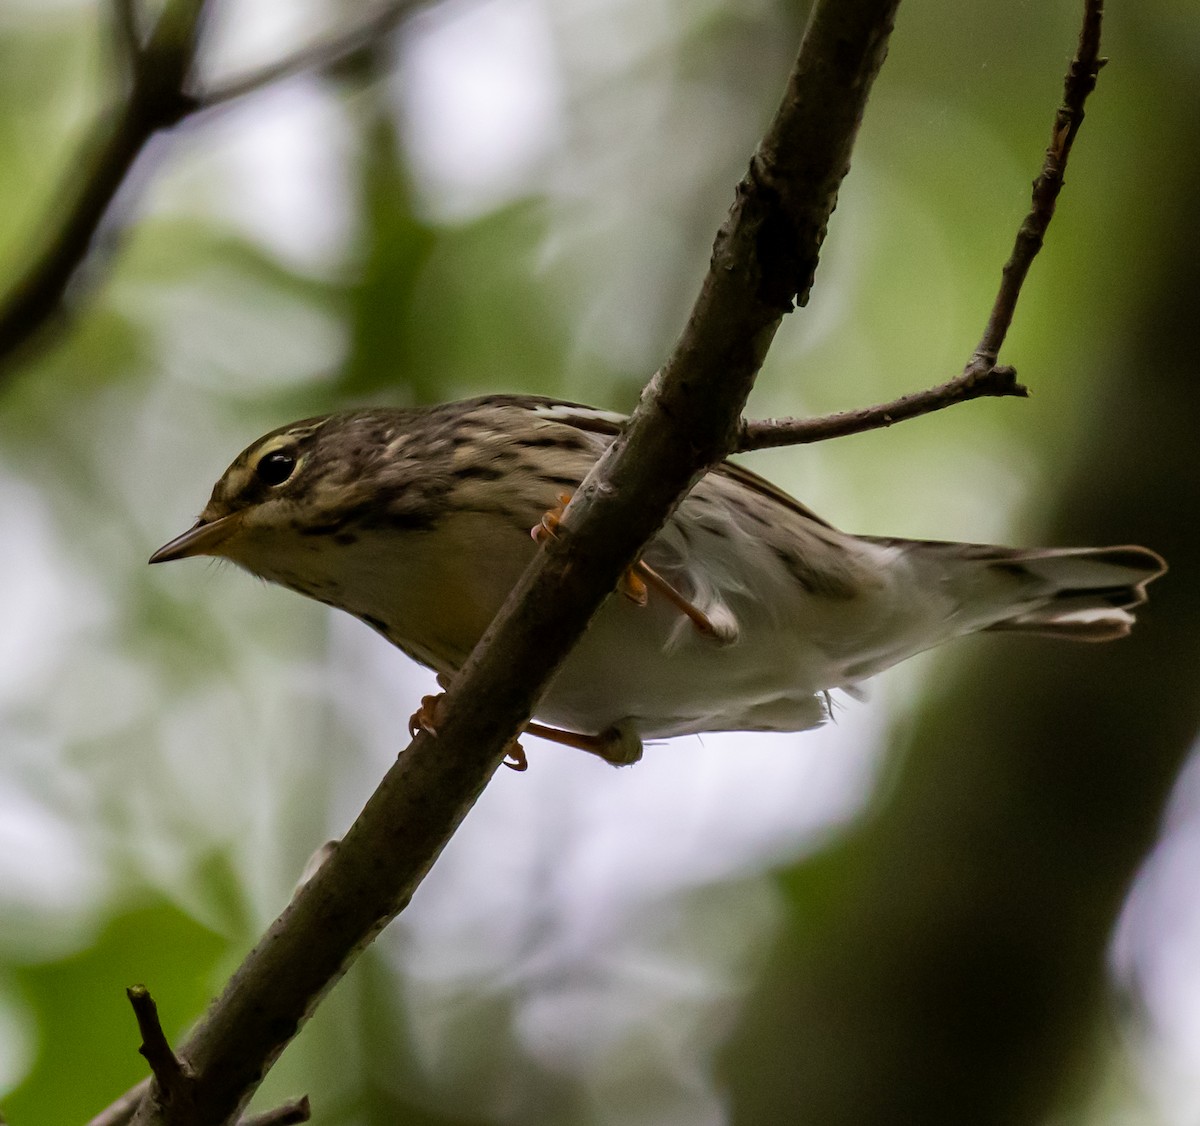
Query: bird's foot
x=647 y=576
x=619 y=745
x=637 y=579
x=428 y=717
x=547 y=527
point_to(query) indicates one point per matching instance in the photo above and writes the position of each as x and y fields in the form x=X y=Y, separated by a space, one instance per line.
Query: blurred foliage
x=174 y=746
x=74 y=997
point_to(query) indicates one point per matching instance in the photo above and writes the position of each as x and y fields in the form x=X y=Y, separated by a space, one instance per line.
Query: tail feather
x=1101 y=627
x=1073 y=593
x=1079 y=594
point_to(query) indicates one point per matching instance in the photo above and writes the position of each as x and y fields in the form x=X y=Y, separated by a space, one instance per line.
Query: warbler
x=744 y=612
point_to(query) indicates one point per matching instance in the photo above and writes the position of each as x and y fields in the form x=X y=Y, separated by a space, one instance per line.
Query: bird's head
x=314 y=482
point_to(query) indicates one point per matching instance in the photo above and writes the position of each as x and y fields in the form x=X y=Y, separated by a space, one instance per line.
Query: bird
x=743 y=613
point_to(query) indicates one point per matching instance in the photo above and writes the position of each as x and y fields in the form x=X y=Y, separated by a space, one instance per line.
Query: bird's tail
x=1073 y=593
x=1090 y=592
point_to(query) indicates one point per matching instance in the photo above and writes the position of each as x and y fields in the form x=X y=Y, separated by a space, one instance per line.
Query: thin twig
x=1079 y=83
x=981 y=377
x=286 y=1115
x=317 y=57
x=173 y=1077
x=766 y=433
x=121 y=1112
x=126 y=34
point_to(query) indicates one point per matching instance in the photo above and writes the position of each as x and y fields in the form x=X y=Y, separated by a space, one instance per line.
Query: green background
x=521 y=197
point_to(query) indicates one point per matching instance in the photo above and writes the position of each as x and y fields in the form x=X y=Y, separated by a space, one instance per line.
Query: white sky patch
x=1155 y=950
x=276 y=166
x=477 y=94
x=51 y=880
x=16 y=1041
x=479 y=99
x=229 y=333
x=568 y=889
x=289 y=184
x=248 y=34
x=43 y=601
x=695 y=811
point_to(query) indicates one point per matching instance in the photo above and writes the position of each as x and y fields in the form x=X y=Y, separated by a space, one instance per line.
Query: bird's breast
x=433 y=593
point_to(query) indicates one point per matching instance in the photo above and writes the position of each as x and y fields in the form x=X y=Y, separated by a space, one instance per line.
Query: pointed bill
x=202 y=539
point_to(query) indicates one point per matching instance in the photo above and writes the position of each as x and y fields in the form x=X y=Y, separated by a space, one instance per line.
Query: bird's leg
x=619 y=746
x=637 y=577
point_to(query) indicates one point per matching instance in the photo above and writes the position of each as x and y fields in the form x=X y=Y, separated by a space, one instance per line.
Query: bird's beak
x=202 y=539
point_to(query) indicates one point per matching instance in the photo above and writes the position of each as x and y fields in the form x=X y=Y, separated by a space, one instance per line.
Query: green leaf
x=87 y=1036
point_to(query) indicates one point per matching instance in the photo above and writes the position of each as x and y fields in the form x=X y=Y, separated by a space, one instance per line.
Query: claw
x=648 y=576
x=427 y=716
x=633 y=586
x=637 y=578
x=516 y=753
x=547 y=527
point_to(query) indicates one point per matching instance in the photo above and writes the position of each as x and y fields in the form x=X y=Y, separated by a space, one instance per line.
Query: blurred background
x=973 y=898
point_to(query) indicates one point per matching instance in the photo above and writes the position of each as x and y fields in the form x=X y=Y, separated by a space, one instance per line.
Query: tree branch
x=764 y=257
x=767 y=433
x=118 y=1113
x=127 y=34
x=981 y=377
x=317 y=57
x=121 y=1112
x=173 y=1080
x=160 y=96
x=156 y=100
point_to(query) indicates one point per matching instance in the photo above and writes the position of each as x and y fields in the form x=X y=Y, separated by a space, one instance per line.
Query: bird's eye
x=276 y=467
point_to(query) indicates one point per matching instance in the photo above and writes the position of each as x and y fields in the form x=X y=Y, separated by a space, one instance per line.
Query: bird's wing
x=609 y=424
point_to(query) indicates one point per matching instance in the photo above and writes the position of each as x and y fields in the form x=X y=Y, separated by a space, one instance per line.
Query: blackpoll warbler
x=418 y=522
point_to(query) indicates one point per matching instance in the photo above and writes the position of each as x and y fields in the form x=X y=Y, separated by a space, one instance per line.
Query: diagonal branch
x=121 y=1111
x=318 y=57
x=172 y=1090
x=288 y=1114
x=159 y=97
x=981 y=377
x=764 y=257
x=156 y=100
